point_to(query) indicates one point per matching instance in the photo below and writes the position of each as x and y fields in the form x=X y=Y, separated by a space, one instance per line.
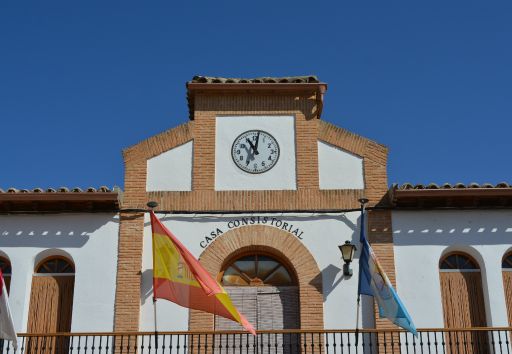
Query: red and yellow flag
x=180 y=278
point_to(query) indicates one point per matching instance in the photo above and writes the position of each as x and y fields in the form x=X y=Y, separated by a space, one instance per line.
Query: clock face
x=255 y=151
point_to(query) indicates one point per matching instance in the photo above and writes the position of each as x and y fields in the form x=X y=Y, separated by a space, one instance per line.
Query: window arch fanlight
x=458 y=261
x=55 y=265
x=506 y=263
x=5 y=266
x=257 y=270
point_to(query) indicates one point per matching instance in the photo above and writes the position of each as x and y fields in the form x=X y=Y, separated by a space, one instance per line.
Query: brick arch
x=286 y=247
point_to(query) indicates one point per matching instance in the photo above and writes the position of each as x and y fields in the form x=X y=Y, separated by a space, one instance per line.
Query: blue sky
x=80 y=81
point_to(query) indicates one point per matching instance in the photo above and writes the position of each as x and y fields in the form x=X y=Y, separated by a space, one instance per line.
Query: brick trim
x=129 y=263
x=380 y=235
x=159 y=143
x=374 y=157
x=260 y=238
x=304 y=199
x=203 y=197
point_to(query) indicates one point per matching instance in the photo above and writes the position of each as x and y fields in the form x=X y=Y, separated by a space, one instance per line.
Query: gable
x=171 y=170
x=338 y=168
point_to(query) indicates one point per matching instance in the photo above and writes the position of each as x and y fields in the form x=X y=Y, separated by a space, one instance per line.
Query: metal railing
x=450 y=341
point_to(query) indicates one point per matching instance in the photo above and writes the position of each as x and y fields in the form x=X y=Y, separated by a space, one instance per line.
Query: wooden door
x=507 y=284
x=267 y=308
x=278 y=308
x=51 y=305
x=464 y=307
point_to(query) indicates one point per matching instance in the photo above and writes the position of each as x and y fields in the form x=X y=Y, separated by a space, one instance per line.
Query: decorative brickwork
x=127 y=305
x=380 y=235
x=203 y=197
x=308 y=131
x=374 y=158
x=284 y=246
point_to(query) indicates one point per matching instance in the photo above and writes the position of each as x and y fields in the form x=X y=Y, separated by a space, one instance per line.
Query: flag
x=180 y=278
x=6 y=325
x=374 y=282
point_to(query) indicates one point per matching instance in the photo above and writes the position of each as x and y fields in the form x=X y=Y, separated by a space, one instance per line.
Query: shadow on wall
x=56 y=231
x=447 y=236
x=146 y=288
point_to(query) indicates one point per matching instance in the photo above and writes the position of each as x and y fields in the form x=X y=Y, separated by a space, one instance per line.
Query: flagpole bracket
x=152 y=204
x=363 y=200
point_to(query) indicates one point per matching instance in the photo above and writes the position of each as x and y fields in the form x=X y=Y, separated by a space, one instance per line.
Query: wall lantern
x=347 y=253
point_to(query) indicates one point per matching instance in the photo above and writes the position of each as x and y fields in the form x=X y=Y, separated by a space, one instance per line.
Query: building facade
x=262 y=191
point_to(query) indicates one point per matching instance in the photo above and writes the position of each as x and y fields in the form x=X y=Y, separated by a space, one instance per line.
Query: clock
x=255 y=151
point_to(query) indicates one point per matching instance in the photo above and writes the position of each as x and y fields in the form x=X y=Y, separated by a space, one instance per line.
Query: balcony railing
x=452 y=341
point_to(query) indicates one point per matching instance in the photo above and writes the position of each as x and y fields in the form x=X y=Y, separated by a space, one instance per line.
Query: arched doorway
x=5 y=266
x=279 y=244
x=506 y=266
x=51 y=304
x=264 y=289
x=463 y=302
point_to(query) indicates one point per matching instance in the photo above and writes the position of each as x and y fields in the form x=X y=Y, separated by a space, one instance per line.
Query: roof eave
x=58 y=202
x=317 y=88
x=463 y=198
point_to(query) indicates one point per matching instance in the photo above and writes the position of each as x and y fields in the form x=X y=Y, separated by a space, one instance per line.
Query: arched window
x=55 y=265
x=463 y=302
x=5 y=266
x=51 y=301
x=257 y=270
x=458 y=261
x=506 y=265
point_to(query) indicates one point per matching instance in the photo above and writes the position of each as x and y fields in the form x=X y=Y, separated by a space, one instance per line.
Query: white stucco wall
x=339 y=169
x=171 y=170
x=321 y=236
x=229 y=177
x=89 y=239
x=421 y=238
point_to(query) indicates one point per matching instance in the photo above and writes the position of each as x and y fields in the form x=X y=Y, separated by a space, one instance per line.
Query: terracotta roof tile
x=101 y=189
x=409 y=186
x=57 y=200
x=458 y=195
x=258 y=80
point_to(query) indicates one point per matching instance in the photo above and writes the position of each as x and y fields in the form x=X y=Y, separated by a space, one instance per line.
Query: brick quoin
x=203 y=197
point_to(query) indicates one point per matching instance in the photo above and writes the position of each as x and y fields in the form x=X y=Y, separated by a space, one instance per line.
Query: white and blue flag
x=374 y=282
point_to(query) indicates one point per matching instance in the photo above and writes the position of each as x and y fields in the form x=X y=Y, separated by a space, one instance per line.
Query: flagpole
x=363 y=202
x=151 y=205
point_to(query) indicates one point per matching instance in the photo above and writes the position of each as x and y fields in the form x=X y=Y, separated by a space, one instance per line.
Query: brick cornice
x=302 y=199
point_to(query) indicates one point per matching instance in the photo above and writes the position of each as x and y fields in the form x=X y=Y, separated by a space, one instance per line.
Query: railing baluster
x=493 y=342
x=392 y=342
x=471 y=340
x=438 y=341
x=506 y=334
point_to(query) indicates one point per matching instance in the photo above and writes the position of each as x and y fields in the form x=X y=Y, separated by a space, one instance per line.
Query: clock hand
x=250 y=156
x=257 y=141
x=254 y=149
